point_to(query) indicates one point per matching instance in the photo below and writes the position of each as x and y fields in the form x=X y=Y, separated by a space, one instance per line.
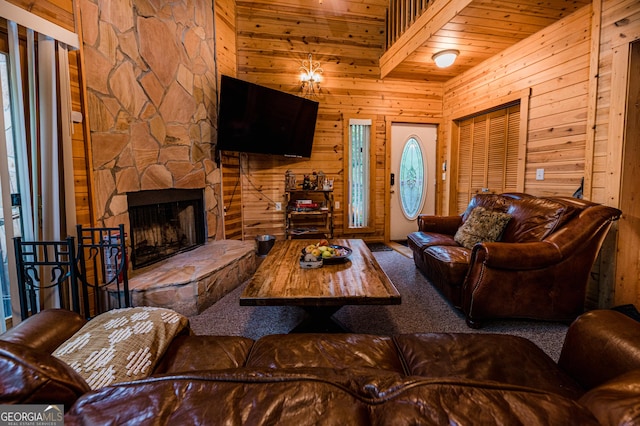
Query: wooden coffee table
x=280 y=281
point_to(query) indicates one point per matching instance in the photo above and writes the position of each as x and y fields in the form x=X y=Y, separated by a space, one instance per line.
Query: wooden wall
x=347 y=38
x=614 y=161
x=81 y=157
x=226 y=50
x=227 y=61
x=554 y=66
x=620 y=27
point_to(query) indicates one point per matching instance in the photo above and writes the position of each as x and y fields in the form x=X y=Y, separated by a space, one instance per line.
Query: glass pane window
x=412 y=174
x=9 y=203
x=359 y=172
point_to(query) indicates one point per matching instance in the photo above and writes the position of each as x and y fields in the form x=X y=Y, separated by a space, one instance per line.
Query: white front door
x=413 y=165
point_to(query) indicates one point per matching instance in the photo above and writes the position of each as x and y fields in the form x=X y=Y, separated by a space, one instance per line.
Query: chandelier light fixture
x=445 y=58
x=310 y=77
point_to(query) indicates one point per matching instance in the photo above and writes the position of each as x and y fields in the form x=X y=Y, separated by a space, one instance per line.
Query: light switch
x=540 y=174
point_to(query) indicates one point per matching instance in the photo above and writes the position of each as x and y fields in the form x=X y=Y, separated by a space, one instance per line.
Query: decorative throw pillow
x=121 y=345
x=481 y=226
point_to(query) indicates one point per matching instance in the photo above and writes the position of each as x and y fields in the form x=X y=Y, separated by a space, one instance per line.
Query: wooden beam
x=29 y=20
x=436 y=16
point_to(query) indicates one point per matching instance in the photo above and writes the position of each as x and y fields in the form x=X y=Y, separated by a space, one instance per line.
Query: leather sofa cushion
x=499 y=358
x=336 y=351
x=33 y=377
x=456 y=255
x=192 y=353
x=532 y=219
x=259 y=397
x=493 y=202
x=422 y=240
x=449 y=262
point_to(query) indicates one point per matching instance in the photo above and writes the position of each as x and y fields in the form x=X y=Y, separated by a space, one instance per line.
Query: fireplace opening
x=165 y=222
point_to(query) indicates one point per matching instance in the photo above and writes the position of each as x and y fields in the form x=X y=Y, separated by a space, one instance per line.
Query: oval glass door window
x=412 y=174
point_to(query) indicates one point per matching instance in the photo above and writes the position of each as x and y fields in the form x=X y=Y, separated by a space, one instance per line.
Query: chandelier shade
x=310 y=77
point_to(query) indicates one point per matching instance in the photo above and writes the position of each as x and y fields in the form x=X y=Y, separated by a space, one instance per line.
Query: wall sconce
x=446 y=58
x=310 y=77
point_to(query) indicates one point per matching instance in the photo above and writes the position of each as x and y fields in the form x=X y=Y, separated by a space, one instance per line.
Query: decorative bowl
x=342 y=254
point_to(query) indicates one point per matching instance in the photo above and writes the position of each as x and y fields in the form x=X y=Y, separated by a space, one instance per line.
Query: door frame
x=389 y=120
x=624 y=145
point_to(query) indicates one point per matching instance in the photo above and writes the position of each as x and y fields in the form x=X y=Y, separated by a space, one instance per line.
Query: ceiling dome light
x=446 y=58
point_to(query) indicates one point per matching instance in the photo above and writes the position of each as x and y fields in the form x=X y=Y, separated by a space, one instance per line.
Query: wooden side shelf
x=309 y=214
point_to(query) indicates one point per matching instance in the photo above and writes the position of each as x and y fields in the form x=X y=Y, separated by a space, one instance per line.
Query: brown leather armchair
x=538 y=268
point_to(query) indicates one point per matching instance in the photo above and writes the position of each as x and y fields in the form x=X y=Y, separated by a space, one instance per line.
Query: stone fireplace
x=152 y=95
x=165 y=222
x=174 y=265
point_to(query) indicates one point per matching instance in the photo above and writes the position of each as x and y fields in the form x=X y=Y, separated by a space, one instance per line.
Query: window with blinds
x=359 y=172
x=488 y=154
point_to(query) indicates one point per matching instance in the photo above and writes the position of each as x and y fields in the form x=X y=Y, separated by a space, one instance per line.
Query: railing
x=401 y=15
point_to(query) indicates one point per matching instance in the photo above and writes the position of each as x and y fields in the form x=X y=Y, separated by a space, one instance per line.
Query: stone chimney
x=152 y=97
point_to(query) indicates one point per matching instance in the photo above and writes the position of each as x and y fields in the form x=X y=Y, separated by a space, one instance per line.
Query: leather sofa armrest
x=599 y=346
x=439 y=224
x=616 y=402
x=33 y=377
x=516 y=256
x=46 y=330
x=593 y=221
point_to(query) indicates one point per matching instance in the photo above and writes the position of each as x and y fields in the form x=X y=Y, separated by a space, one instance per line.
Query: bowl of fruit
x=315 y=255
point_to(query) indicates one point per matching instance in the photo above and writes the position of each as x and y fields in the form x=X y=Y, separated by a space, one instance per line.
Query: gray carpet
x=423 y=310
x=374 y=247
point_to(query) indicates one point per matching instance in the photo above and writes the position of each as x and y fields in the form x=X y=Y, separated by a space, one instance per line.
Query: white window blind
x=359 y=172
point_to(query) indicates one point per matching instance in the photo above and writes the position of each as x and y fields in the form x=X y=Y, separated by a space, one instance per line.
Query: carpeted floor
x=423 y=310
x=375 y=247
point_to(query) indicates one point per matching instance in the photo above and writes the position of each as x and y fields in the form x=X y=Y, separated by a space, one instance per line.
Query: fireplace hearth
x=165 y=222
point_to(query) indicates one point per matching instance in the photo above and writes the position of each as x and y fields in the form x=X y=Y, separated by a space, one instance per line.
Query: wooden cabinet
x=309 y=214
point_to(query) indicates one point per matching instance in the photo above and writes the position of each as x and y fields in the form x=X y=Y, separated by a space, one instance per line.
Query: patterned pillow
x=121 y=345
x=481 y=226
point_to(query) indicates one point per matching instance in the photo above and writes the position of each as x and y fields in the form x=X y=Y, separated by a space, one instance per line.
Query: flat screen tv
x=261 y=120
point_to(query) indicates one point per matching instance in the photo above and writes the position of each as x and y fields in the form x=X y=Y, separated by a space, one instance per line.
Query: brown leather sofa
x=434 y=378
x=537 y=269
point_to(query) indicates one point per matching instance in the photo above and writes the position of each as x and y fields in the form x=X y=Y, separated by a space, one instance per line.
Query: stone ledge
x=192 y=281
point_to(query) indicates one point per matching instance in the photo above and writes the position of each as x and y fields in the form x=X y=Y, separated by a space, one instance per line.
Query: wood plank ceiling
x=479 y=29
